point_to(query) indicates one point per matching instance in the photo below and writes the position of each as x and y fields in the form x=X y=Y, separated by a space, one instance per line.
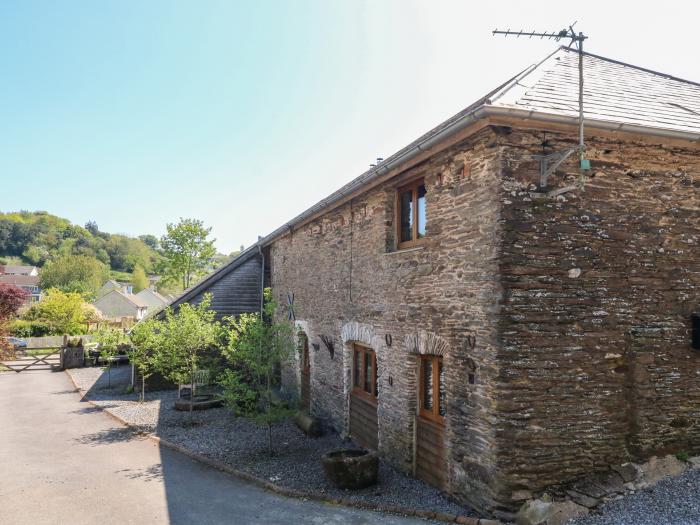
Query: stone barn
x=493 y=333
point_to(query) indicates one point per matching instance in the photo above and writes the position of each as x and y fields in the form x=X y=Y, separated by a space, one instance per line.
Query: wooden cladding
x=410 y=215
x=363 y=422
x=431 y=452
x=363 y=398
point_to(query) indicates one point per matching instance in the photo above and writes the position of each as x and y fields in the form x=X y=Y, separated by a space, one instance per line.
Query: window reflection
x=421 y=211
x=406 y=216
x=427 y=384
x=441 y=389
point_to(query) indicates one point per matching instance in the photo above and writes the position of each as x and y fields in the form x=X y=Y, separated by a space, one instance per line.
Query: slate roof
x=11 y=269
x=20 y=280
x=613 y=92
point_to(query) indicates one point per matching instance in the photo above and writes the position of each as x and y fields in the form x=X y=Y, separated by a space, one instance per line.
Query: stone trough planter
x=351 y=468
x=201 y=402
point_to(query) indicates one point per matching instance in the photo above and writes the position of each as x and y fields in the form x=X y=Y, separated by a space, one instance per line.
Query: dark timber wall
x=235 y=288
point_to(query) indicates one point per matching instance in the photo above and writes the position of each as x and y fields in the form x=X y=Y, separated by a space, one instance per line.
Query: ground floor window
x=364 y=372
x=431 y=389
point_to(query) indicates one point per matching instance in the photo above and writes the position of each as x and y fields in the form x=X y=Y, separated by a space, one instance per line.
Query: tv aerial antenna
x=549 y=163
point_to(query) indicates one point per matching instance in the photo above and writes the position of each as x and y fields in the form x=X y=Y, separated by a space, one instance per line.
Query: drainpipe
x=262 y=278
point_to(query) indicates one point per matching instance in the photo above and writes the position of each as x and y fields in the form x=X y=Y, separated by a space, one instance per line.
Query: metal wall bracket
x=549 y=164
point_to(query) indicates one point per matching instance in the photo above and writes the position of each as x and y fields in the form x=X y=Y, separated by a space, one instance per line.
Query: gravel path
x=673 y=501
x=238 y=442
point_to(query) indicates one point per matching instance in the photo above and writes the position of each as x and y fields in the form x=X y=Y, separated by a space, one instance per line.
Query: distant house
x=28 y=283
x=116 y=304
x=9 y=269
x=152 y=299
x=114 y=285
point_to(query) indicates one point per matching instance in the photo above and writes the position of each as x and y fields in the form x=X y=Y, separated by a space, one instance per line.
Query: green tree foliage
x=36 y=237
x=62 y=313
x=150 y=240
x=145 y=342
x=74 y=273
x=139 y=279
x=11 y=300
x=91 y=226
x=125 y=253
x=183 y=338
x=186 y=250
x=256 y=347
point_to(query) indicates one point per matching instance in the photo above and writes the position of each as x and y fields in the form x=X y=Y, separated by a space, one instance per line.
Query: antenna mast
x=576 y=39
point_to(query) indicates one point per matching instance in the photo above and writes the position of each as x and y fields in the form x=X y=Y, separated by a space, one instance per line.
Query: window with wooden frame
x=364 y=373
x=410 y=214
x=431 y=389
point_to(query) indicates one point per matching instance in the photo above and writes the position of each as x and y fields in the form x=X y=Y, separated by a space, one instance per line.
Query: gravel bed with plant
x=243 y=444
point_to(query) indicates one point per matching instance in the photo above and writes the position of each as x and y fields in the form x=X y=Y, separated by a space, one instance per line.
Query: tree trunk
x=143 y=387
x=269 y=438
x=191 y=392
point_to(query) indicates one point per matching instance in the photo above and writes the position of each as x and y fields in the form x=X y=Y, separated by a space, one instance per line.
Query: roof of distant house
x=132 y=298
x=151 y=297
x=20 y=280
x=12 y=269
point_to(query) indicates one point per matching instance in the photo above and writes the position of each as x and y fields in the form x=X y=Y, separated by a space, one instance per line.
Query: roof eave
x=539 y=116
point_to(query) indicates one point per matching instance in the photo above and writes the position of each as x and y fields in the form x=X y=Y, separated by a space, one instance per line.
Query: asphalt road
x=62 y=461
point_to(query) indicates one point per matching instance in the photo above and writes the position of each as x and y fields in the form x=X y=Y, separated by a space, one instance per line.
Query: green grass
x=120 y=276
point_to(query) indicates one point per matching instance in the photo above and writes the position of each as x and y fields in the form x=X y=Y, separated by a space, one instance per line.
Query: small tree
x=184 y=336
x=63 y=313
x=186 y=250
x=255 y=350
x=144 y=343
x=11 y=300
x=139 y=279
x=110 y=341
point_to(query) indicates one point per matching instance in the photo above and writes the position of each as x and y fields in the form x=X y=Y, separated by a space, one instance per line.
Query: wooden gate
x=305 y=373
x=47 y=359
x=431 y=452
x=363 y=398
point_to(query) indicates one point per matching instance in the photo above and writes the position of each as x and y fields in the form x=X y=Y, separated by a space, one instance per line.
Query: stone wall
x=350 y=284
x=599 y=286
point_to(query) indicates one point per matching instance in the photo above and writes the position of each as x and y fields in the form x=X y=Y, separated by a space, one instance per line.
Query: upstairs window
x=411 y=214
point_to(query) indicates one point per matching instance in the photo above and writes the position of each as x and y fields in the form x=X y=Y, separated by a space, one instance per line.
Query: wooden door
x=363 y=398
x=431 y=452
x=305 y=372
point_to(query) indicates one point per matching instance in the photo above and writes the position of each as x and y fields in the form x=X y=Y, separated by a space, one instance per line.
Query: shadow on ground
x=242 y=444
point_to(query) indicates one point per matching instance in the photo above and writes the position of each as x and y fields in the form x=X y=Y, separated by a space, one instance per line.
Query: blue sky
x=243 y=114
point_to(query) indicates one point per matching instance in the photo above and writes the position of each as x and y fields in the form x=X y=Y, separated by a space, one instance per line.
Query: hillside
x=35 y=237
